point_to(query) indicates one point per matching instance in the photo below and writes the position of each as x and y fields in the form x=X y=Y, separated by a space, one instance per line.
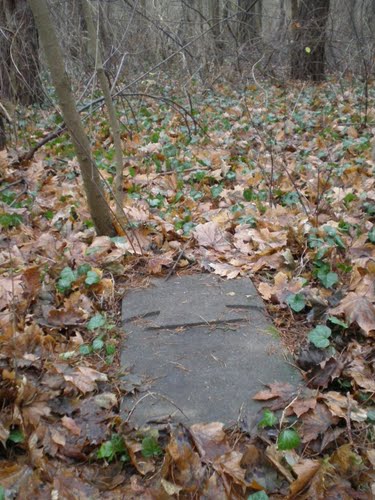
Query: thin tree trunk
x=95 y=52
x=216 y=29
x=98 y=206
x=19 y=54
x=309 y=20
x=249 y=20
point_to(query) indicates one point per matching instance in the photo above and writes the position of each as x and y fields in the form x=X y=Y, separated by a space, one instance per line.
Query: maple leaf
x=357 y=309
x=281 y=393
x=316 y=422
x=210 y=440
x=211 y=235
x=84 y=378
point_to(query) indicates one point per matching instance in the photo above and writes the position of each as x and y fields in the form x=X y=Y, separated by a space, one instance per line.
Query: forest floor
x=275 y=183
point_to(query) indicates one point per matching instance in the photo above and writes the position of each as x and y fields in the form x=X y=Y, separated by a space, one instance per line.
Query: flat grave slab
x=203 y=346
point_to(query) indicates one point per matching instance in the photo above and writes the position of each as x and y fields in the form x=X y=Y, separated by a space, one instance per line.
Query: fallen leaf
x=316 y=422
x=210 y=440
x=305 y=470
x=357 y=309
x=211 y=235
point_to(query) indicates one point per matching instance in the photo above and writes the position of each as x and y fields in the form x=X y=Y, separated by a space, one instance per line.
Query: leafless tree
x=19 y=56
x=309 y=20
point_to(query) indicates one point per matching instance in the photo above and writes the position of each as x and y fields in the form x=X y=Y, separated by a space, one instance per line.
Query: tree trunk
x=95 y=53
x=99 y=209
x=214 y=6
x=19 y=54
x=2 y=134
x=249 y=20
x=309 y=20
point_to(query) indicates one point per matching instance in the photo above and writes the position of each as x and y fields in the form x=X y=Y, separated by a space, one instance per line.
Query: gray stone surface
x=204 y=346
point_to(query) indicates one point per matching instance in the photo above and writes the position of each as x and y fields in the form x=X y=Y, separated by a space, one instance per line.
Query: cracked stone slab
x=204 y=346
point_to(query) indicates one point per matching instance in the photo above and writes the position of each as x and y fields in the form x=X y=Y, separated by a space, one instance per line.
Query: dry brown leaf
x=230 y=464
x=212 y=236
x=156 y=263
x=316 y=422
x=301 y=406
x=182 y=465
x=305 y=470
x=85 y=378
x=357 y=309
x=70 y=424
x=225 y=270
x=33 y=413
x=281 y=393
x=210 y=440
x=106 y=400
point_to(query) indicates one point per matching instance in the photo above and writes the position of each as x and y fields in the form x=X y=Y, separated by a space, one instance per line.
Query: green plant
x=68 y=277
x=114 y=448
x=296 y=302
x=150 y=447
x=268 y=419
x=319 y=336
x=288 y=439
x=10 y=220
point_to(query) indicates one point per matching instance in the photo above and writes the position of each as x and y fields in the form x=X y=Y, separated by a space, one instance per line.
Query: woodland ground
x=276 y=183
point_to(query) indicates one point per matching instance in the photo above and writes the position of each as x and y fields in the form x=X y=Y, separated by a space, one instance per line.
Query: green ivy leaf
x=98 y=344
x=337 y=321
x=2 y=492
x=216 y=191
x=83 y=269
x=319 y=336
x=150 y=447
x=249 y=195
x=110 y=349
x=67 y=278
x=296 y=302
x=371 y=235
x=371 y=416
x=96 y=322
x=16 y=436
x=328 y=279
x=85 y=349
x=288 y=439
x=269 y=419
x=259 y=495
x=92 y=278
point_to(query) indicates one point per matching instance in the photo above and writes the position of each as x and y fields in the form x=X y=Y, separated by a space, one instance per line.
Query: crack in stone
x=197 y=323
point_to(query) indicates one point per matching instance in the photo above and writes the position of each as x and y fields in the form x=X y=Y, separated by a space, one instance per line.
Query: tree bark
x=249 y=20
x=95 y=53
x=99 y=209
x=309 y=20
x=19 y=54
x=215 y=16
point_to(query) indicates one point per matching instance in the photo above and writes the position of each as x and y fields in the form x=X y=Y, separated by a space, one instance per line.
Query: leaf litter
x=283 y=194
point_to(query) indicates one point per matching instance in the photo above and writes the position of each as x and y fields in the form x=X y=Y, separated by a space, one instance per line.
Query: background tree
x=94 y=49
x=19 y=54
x=309 y=39
x=98 y=206
x=249 y=20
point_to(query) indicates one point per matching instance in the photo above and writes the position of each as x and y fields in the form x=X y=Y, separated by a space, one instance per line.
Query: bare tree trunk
x=309 y=39
x=98 y=206
x=2 y=134
x=249 y=20
x=19 y=54
x=95 y=52
x=216 y=29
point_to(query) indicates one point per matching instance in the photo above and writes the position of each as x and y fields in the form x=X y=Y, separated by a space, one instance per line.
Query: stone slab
x=204 y=345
